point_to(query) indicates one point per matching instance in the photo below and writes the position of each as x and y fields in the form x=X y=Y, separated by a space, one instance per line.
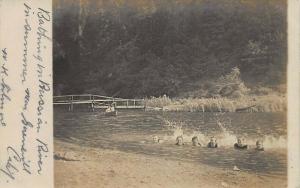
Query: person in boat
x=179 y=141
x=111 y=108
x=240 y=144
x=195 y=141
x=259 y=146
x=212 y=143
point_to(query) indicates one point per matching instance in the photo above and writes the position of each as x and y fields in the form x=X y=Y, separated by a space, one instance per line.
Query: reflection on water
x=132 y=131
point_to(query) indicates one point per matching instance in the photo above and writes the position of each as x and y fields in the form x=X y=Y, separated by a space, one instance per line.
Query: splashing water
x=176 y=127
x=227 y=139
x=273 y=142
x=224 y=138
x=133 y=131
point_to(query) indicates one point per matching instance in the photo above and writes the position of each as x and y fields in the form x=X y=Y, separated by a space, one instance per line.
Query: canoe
x=244 y=109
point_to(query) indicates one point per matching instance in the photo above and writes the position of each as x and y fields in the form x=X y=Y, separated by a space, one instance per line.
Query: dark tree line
x=168 y=48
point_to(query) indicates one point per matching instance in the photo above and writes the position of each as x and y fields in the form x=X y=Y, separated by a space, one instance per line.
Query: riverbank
x=264 y=103
x=77 y=167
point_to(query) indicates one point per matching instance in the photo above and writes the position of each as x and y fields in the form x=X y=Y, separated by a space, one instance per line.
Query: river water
x=133 y=131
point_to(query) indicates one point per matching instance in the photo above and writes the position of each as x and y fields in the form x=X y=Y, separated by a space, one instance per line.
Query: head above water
x=195 y=141
x=212 y=143
x=259 y=144
x=213 y=140
x=239 y=141
x=155 y=138
x=179 y=140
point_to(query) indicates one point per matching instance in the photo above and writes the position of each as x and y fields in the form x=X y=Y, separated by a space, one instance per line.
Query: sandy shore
x=83 y=167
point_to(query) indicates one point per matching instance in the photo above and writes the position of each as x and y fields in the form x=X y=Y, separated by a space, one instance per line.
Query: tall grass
x=159 y=102
x=266 y=103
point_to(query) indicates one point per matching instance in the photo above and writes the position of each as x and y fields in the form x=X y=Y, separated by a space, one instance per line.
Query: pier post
x=93 y=108
x=72 y=107
x=71 y=104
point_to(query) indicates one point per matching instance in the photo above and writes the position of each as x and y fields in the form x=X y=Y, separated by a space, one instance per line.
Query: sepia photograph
x=170 y=93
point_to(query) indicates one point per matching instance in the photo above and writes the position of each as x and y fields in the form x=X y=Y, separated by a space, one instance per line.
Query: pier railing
x=97 y=102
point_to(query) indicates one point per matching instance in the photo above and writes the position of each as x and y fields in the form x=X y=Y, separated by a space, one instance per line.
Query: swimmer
x=195 y=141
x=259 y=146
x=212 y=143
x=240 y=144
x=179 y=141
x=157 y=140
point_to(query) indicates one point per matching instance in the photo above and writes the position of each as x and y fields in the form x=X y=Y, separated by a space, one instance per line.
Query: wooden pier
x=94 y=102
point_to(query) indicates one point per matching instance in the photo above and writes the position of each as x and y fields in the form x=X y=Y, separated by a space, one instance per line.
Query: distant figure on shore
x=179 y=141
x=240 y=144
x=195 y=141
x=156 y=139
x=212 y=143
x=259 y=146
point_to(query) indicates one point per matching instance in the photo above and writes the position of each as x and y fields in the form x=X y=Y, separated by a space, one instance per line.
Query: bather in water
x=259 y=146
x=195 y=141
x=179 y=141
x=156 y=139
x=240 y=144
x=212 y=143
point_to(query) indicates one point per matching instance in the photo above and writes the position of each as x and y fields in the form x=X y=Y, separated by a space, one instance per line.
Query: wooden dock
x=94 y=102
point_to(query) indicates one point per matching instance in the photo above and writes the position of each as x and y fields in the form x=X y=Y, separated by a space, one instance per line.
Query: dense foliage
x=170 y=47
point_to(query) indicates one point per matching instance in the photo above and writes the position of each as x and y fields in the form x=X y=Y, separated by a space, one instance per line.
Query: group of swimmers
x=240 y=145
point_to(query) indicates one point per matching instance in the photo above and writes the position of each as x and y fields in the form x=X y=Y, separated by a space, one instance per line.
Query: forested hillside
x=151 y=48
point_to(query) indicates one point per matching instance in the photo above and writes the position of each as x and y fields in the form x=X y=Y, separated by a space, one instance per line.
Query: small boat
x=111 y=113
x=111 y=110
